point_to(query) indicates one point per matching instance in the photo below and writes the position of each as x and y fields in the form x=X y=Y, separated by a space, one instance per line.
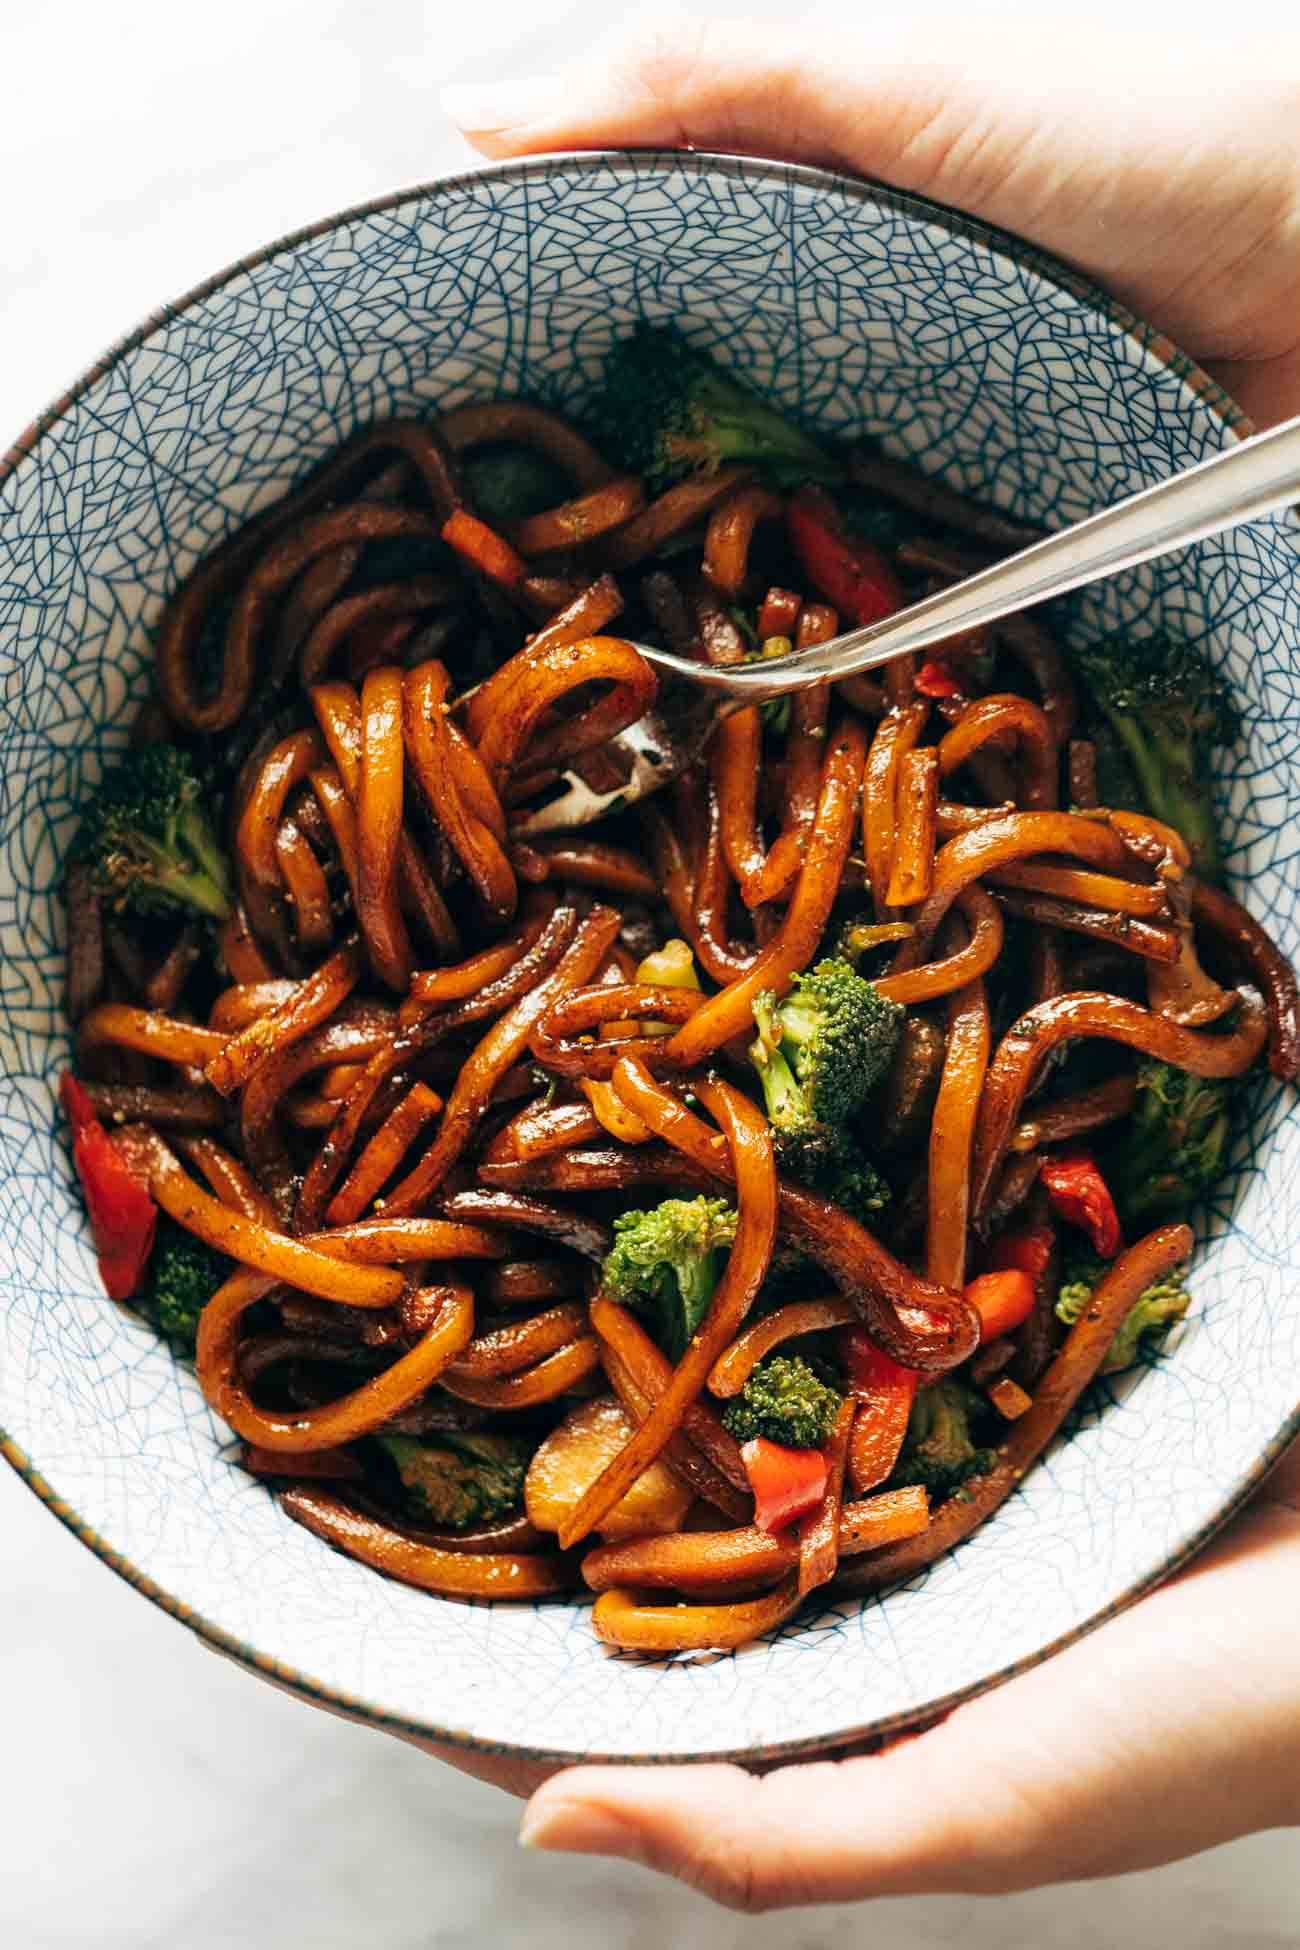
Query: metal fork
x=1251 y=479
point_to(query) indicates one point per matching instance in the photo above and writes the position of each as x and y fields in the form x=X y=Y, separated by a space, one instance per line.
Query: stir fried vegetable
x=668 y=1261
x=149 y=838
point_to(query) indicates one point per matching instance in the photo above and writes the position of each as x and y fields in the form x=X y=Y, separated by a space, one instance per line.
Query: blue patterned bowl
x=866 y=313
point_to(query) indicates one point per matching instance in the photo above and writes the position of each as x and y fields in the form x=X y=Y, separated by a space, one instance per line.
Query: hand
x=1163 y=164
x=1171 y=1728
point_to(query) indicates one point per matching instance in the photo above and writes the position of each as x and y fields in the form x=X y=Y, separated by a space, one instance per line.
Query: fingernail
x=500 y=104
x=578 y=1828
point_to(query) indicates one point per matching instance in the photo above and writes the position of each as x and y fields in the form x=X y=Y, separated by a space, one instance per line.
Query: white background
x=151 y=1796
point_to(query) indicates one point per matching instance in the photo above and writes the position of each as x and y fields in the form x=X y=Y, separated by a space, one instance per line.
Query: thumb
x=742 y=86
x=1169 y=1729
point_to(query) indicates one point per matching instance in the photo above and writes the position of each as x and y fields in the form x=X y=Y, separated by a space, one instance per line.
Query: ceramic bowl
x=867 y=314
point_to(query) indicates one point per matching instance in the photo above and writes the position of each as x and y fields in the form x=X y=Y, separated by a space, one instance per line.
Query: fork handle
x=1251 y=478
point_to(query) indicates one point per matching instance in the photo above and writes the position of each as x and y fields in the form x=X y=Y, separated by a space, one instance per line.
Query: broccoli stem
x=782 y=1096
x=214 y=869
x=697 y=1279
x=1165 y=769
x=200 y=888
x=798 y=1024
x=745 y=430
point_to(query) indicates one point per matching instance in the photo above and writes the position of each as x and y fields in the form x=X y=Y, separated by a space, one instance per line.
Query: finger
x=513 y=1773
x=1267 y=390
x=1282 y=1484
x=1168 y=1730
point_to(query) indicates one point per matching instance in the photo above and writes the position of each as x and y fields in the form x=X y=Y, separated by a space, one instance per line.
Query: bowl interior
x=867 y=315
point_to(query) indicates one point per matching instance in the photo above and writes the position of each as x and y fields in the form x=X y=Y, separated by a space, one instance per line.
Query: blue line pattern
x=868 y=316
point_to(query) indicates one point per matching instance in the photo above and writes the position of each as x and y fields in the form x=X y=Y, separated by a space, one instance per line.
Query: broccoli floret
x=1117 y=784
x=1175 y=1146
x=148 y=838
x=184 y=1273
x=785 y=1400
x=1169 y=712
x=827 y=1161
x=825 y=1047
x=1154 y=1312
x=940 y=1451
x=668 y=1261
x=1161 y=1307
x=507 y=483
x=667 y=410
x=1079 y=1276
x=461 y=1478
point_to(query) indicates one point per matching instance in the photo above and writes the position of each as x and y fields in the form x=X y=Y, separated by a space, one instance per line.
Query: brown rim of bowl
x=1053 y=272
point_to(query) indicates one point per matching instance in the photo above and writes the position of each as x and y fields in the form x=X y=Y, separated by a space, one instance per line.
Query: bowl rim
x=865 y=191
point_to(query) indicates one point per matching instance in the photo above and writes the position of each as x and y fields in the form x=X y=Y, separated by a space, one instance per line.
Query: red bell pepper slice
x=1080 y=1194
x=123 y=1217
x=1029 y=1249
x=849 y=572
x=787 y=1483
x=885 y=1393
x=935 y=679
x=1002 y=1300
x=76 y=1101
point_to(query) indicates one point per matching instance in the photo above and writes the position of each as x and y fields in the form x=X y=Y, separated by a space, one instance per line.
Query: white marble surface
x=151 y=1794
